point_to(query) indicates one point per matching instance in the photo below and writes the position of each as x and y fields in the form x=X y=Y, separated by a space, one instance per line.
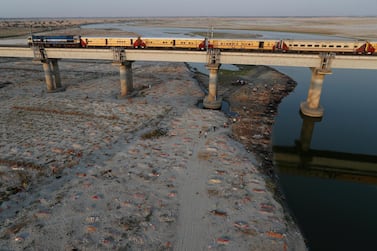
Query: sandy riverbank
x=82 y=170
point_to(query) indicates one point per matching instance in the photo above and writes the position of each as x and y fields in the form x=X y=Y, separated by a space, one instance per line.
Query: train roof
x=322 y=41
x=54 y=37
x=135 y=37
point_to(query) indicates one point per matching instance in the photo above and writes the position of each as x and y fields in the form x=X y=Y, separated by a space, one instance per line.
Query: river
x=334 y=207
x=333 y=202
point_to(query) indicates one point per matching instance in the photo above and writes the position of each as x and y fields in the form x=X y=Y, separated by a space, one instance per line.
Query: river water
x=330 y=175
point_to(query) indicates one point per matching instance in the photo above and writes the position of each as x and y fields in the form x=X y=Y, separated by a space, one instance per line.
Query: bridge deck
x=247 y=58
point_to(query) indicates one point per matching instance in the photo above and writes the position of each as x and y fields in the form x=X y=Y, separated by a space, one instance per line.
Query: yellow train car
x=188 y=43
x=94 y=41
x=119 y=42
x=267 y=45
x=158 y=42
x=226 y=44
x=374 y=45
x=370 y=47
x=244 y=44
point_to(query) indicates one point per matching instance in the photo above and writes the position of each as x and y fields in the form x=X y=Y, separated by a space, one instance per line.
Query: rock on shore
x=82 y=170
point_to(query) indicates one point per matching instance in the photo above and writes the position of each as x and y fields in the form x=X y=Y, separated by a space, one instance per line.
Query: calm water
x=334 y=211
x=335 y=208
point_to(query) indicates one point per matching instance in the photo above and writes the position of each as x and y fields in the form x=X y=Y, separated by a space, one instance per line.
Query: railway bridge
x=320 y=65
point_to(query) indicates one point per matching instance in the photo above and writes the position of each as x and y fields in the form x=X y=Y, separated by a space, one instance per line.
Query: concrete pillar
x=212 y=84
x=311 y=106
x=52 y=75
x=48 y=76
x=126 y=78
x=212 y=101
x=55 y=69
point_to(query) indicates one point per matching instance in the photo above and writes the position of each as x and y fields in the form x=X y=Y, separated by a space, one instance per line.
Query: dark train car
x=55 y=41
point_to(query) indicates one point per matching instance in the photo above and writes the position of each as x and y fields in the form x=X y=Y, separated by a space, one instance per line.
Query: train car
x=335 y=46
x=109 y=42
x=225 y=44
x=367 y=48
x=190 y=43
x=158 y=43
x=168 y=43
x=94 y=42
x=55 y=41
x=243 y=44
x=120 y=42
x=374 y=46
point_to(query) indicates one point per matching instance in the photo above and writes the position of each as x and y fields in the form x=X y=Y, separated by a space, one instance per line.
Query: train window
x=295 y=45
x=302 y=45
x=346 y=46
x=331 y=46
x=338 y=46
x=309 y=45
x=324 y=45
x=317 y=45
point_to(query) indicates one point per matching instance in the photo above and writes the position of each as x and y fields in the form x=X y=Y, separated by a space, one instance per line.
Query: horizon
x=134 y=17
x=197 y=8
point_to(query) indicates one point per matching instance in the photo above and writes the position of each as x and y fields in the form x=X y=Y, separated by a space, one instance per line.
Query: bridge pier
x=126 y=78
x=212 y=101
x=311 y=106
x=51 y=69
x=125 y=72
x=48 y=76
x=52 y=75
x=56 y=72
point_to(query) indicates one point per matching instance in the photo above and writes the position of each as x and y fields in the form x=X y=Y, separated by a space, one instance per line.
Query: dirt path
x=194 y=200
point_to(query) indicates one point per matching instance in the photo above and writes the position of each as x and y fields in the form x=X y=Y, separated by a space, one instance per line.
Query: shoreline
x=272 y=87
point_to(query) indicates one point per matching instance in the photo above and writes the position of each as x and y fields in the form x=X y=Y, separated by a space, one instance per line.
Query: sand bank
x=81 y=170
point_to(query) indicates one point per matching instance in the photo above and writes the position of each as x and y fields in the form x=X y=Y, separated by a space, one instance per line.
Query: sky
x=147 y=8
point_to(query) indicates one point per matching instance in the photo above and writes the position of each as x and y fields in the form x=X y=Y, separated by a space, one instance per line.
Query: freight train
x=295 y=46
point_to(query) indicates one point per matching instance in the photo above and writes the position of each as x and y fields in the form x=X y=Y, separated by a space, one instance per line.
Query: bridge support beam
x=48 y=76
x=212 y=101
x=311 y=106
x=126 y=79
x=56 y=72
x=52 y=75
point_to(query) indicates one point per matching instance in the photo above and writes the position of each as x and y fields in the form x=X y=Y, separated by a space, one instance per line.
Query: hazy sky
x=132 y=8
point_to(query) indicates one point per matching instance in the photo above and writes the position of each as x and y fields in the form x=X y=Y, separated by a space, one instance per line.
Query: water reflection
x=300 y=159
x=330 y=193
